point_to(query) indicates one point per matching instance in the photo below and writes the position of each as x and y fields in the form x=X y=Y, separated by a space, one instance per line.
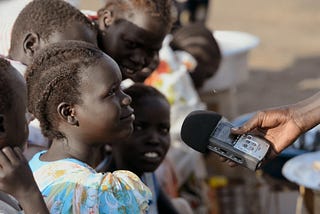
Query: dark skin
x=146 y=148
x=136 y=50
x=281 y=126
x=142 y=75
x=16 y=177
x=32 y=41
x=104 y=115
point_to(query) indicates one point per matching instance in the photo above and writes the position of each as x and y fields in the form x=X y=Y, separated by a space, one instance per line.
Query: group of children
x=74 y=66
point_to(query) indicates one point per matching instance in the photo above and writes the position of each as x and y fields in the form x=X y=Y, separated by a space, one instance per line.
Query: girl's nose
x=140 y=58
x=126 y=100
x=154 y=138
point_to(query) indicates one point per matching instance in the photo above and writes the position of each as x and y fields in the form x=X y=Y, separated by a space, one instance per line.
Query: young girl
x=16 y=177
x=74 y=91
x=131 y=32
x=37 y=25
x=147 y=147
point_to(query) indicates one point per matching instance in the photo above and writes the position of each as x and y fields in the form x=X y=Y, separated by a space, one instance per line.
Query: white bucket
x=234 y=46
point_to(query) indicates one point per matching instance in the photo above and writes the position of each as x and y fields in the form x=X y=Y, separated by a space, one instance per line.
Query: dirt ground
x=284 y=67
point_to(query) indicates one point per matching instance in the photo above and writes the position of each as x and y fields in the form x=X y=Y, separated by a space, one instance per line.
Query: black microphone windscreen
x=197 y=127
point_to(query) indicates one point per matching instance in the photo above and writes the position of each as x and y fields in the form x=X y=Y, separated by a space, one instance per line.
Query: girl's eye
x=165 y=130
x=111 y=92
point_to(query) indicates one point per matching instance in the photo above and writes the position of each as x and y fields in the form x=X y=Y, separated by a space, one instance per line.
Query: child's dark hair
x=54 y=77
x=6 y=88
x=163 y=9
x=45 y=17
x=199 y=41
x=139 y=90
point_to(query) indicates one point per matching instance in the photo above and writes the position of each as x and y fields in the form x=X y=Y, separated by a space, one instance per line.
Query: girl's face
x=146 y=148
x=133 y=44
x=104 y=114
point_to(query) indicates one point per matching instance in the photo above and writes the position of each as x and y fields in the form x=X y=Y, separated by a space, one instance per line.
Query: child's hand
x=15 y=174
x=16 y=178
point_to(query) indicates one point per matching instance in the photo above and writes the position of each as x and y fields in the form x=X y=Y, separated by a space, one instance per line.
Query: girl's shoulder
x=68 y=180
x=69 y=167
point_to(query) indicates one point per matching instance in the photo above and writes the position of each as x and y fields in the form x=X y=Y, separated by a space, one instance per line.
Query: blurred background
x=284 y=67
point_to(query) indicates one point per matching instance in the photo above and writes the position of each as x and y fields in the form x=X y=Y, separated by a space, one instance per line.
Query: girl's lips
x=152 y=157
x=127 y=117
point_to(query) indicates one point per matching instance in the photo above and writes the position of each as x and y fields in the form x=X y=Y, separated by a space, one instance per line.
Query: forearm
x=33 y=204
x=307 y=112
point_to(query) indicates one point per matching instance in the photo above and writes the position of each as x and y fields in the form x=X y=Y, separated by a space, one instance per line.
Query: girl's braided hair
x=54 y=77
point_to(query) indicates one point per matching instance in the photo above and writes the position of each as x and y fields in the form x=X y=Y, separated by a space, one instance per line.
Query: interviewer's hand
x=279 y=126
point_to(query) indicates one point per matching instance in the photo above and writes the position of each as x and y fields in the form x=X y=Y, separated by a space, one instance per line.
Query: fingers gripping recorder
x=203 y=130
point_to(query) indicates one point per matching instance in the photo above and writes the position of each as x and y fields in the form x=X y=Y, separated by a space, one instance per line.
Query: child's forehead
x=104 y=69
x=144 y=20
x=151 y=102
x=74 y=31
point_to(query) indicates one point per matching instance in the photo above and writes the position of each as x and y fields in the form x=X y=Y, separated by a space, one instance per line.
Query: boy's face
x=142 y=75
x=104 y=113
x=14 y=129
x=133 y=44
x=146 y=148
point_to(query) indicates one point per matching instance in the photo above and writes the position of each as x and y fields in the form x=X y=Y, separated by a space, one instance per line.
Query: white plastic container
x=234 y=46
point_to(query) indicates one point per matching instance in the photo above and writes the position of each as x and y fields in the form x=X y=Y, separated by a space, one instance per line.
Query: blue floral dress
x=71 y=186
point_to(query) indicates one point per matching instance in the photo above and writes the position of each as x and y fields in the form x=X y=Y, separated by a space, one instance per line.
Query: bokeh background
x=285 y=66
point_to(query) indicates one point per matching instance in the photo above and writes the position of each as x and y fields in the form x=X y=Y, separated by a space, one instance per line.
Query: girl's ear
x=106 y=18
x=67 y=113
x=31 y=44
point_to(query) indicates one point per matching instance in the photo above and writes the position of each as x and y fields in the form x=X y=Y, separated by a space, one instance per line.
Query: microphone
x=208 y=131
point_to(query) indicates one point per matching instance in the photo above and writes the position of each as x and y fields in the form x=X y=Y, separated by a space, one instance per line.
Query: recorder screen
x=223 y=133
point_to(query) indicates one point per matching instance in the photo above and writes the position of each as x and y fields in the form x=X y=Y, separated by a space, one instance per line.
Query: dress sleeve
x=126 y=189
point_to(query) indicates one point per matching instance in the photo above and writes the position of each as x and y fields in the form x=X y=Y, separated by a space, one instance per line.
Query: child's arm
x=16 y=178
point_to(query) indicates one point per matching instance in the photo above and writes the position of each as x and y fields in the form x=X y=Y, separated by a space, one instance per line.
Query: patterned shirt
x=71 y=186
